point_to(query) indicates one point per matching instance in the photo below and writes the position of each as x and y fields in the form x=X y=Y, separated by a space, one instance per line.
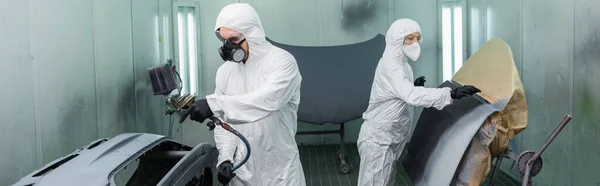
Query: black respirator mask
x=231 y=51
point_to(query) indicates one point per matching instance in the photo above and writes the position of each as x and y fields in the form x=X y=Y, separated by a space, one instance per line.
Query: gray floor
x=320 y=166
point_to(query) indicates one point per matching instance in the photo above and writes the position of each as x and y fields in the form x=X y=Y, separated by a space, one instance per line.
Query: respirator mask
x=412 y=51
x=232 y=49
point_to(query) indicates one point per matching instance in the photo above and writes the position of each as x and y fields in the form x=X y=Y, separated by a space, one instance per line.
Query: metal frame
x=529 y=165
x=344 y=167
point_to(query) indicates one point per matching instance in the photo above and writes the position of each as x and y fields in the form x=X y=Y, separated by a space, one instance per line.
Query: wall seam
x=133 y=69
x=391 y=12
x=36 y=125
x=439 y=41
x=522 y=23
x=467 y=30
x=159 y=29
x=95 y=74
x=571 y=95
x=319 y=35
x=438 y=46
x=522 y=38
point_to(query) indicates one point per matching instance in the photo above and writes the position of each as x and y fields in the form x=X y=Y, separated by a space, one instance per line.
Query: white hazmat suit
x=260 y=98
x=388 y=118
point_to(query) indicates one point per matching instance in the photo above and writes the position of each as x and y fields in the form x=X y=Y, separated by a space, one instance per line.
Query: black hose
x=216 y=121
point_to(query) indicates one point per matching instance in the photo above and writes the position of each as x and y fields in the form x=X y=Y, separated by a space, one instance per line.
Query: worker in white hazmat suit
x=257 y=92
x=393 y=95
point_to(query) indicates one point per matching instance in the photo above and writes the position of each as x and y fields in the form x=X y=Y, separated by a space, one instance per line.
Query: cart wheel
x=344 y=168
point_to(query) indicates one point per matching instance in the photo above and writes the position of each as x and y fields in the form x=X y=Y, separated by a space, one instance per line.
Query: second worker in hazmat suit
x=393 y=95
x=257 y=92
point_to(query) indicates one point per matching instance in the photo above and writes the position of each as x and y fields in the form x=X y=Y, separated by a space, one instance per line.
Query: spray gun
x=163 y=83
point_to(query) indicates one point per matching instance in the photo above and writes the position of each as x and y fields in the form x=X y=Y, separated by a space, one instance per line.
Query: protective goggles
x=235 y=39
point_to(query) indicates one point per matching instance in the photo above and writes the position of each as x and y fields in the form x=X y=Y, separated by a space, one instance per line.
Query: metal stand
x=529 y=163
x=344 y=167
x=496 y=168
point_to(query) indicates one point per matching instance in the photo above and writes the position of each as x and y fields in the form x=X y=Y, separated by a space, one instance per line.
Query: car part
x=338 y=88
x=130 y=159
x=441 y=138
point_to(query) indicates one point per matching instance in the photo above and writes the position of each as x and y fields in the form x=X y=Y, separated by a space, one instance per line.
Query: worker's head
x=240 y=29
x=403 y=38
x=235 y=47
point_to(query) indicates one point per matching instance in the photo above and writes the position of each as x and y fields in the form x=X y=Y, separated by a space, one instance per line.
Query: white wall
x=63 y=64
x=113 y=56
x=556 y=49
x=74 y=71
x=17 y=126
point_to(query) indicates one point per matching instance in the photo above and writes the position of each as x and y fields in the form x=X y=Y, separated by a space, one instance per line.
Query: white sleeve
x=225 y=141
x=283 y=79
x=405 y=90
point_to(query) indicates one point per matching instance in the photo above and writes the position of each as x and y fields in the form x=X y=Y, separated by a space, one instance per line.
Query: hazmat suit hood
x=242 y=18
x=394 y=38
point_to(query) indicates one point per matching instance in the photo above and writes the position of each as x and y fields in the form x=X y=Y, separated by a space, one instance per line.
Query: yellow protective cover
x=492 y=70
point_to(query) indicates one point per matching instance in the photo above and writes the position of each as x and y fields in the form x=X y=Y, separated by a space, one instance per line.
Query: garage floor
x=321 y=168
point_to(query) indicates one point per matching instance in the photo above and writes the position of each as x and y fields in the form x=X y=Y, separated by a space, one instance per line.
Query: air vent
x=55 y=165
x=97 y=143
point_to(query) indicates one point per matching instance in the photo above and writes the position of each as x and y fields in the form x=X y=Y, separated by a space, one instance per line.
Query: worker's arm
x=282 y=81
x=225 y=141
x=405 y=90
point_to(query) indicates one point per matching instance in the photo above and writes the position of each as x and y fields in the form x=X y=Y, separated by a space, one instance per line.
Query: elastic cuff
x=446 y=98
x=214 y=105
x=221 y=160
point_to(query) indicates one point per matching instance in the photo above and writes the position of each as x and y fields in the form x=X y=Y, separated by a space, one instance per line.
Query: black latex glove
x=199 y=111
x=225 y=174
x=463 y=91
x=420 y=81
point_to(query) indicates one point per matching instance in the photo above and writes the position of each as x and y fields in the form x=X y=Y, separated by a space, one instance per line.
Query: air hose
x=216 y=121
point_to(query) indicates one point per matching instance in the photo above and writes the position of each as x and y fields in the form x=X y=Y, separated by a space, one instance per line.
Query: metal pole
x=552 y=136
x=537 y=154
x=496 y=168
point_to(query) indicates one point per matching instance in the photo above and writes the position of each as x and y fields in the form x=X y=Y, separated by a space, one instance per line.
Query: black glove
x=463 y=91
x=420 y=81
x=225 y=174
x=199 y=111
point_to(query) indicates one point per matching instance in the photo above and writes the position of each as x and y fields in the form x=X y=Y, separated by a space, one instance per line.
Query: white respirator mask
x=412 y=51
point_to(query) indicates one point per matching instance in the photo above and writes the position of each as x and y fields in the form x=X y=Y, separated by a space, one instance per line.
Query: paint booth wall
x=556 y=47
x=73 y=72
